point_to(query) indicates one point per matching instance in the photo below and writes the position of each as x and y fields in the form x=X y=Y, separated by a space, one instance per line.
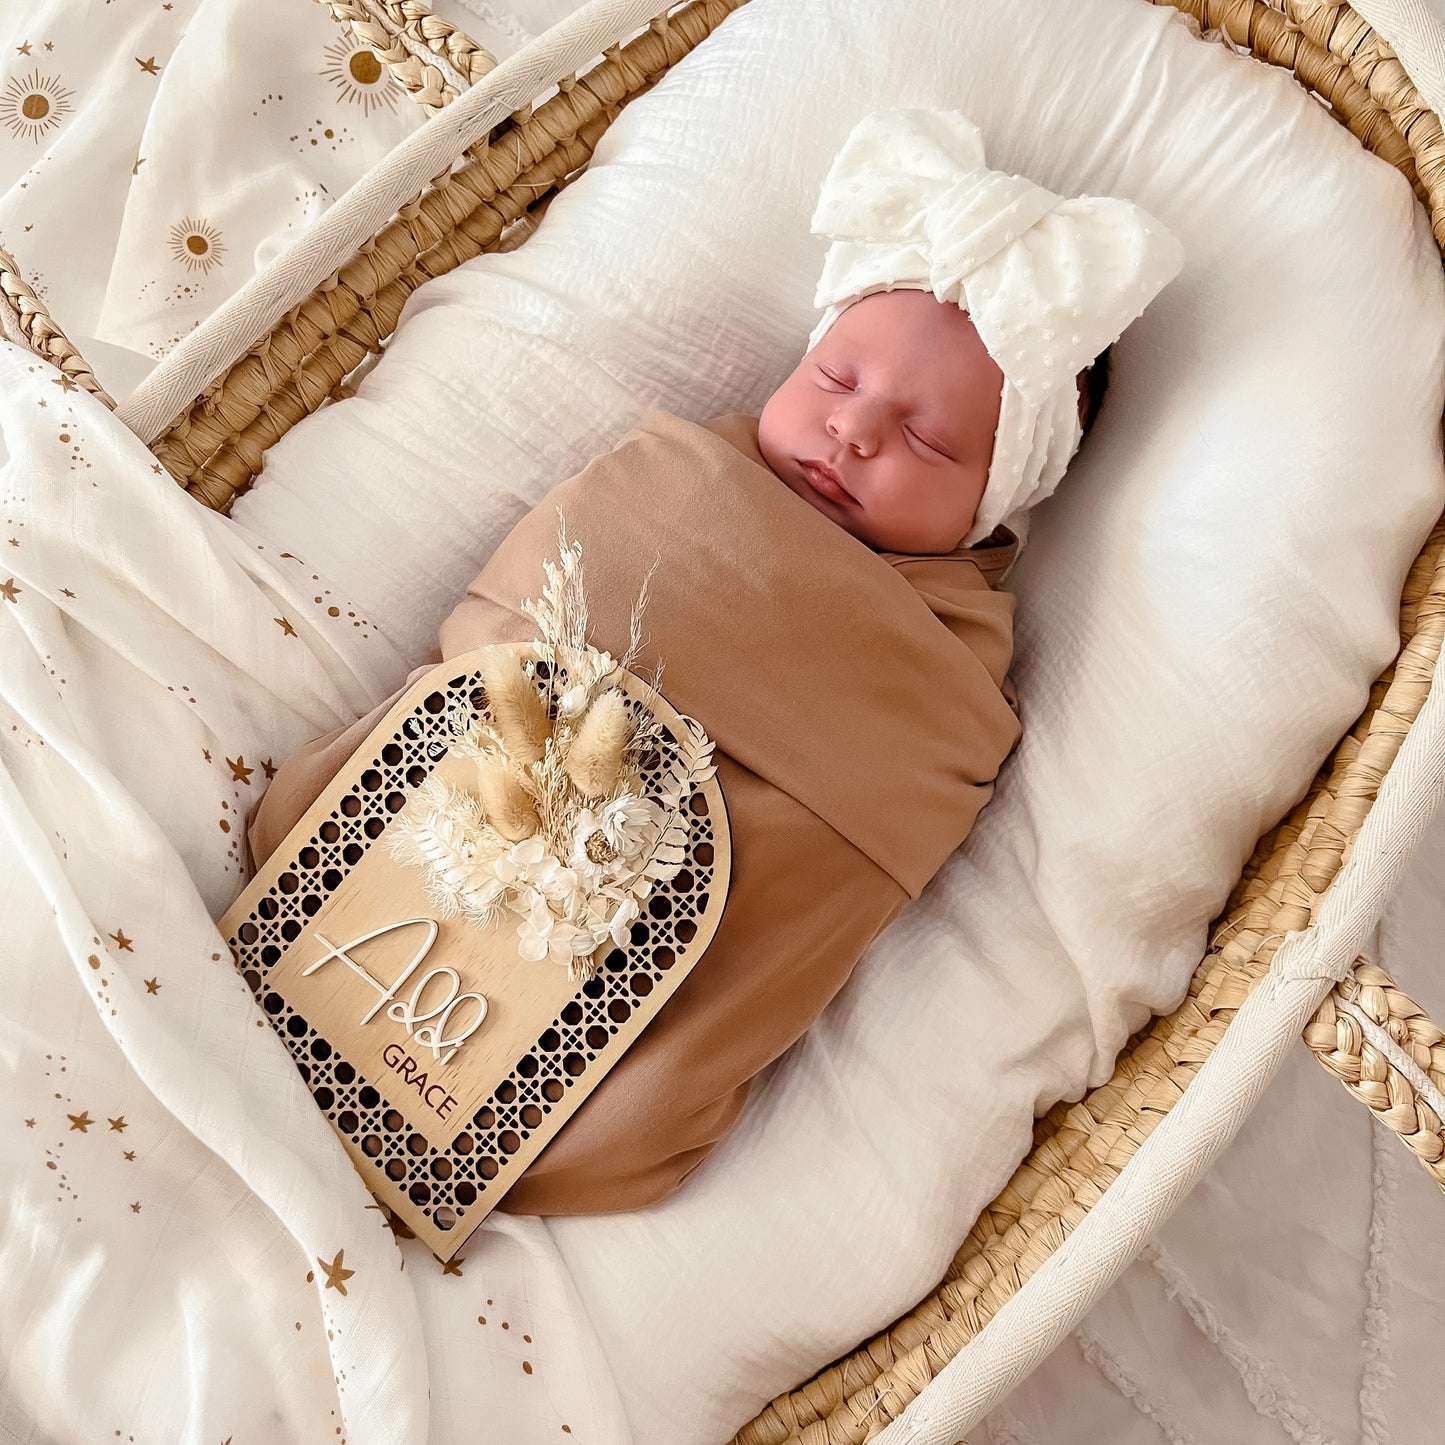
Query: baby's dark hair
x=1096 y=382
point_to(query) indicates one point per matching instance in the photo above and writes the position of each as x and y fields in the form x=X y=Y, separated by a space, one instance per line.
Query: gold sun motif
x=33 y=104
x=358 y=75
x=197 y=245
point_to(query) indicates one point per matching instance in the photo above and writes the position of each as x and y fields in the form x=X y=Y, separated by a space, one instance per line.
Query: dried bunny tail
x=518 y=712
x=595 y=757
x=508 y=808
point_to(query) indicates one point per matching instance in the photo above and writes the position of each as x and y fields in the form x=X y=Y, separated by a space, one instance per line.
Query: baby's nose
x=852 y=425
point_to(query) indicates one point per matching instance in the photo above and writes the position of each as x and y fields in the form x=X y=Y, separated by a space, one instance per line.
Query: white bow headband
x=1048 y=282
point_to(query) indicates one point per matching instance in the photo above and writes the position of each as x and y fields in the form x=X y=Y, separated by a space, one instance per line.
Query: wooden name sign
x=444 y=1058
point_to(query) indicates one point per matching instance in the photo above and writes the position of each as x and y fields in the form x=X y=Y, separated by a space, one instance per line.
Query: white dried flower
x=626 y=825
x=573 y=701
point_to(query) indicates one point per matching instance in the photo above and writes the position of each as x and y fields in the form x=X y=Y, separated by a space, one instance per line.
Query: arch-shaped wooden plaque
x=332 y=921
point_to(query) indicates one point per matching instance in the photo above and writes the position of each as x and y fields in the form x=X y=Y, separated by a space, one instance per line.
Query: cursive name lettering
x=407 y=1012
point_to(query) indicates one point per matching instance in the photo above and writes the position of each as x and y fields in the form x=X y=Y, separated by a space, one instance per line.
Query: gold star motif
x=285 y=626
x=118 y=1124
x=336 y=1276
x=9 y=591
x=15 y=541
x=394 y=1222
x=64 y=383
x=156 y=468
x=67 y=592
x=269 y=767
x=153 y=985
x=40 y=403
x=130 y=1154
x=240 y=773
x=135 y=1208
x=149 y=66
x=23 y=49
x=121 y=941
x=81 y=1121
x=50 y=45
x=207 y=752
x=453 y=1266
x=30 y=1123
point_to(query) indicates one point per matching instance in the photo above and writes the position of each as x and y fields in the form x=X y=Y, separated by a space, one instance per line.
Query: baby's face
x=900 y=400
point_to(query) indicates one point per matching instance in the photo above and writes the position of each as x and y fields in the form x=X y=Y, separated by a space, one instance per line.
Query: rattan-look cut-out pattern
x=443 y=1178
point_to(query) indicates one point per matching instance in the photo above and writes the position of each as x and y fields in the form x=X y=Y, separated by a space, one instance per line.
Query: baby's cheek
x=778 y=427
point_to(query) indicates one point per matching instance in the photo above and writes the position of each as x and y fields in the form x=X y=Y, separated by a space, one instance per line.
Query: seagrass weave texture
x=1395 y=1095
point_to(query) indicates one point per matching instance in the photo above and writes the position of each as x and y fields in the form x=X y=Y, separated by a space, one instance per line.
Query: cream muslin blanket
x=187 y=1252
x=860 y=709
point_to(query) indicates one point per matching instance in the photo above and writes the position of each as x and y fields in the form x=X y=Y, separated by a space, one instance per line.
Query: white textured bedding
x=1202 y=605
x=1216 y=581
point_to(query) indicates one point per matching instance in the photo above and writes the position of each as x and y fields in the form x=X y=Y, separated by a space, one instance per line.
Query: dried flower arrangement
x=562 y=829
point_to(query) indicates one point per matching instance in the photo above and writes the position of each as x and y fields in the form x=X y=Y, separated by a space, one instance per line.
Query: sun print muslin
x=305 y=110
x=357 y=76
x=197 y=245
x=156 y=1141
x=33 y=105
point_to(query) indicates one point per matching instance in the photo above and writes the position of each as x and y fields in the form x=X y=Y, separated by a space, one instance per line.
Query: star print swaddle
x=187 y=1251
x=860 y=713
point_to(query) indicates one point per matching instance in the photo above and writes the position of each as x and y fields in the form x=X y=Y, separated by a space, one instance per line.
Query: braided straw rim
x=430 y=57
x=1396 y=1093
x=27 y=322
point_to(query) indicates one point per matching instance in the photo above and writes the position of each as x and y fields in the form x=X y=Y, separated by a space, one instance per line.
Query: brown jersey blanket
x=860 y=709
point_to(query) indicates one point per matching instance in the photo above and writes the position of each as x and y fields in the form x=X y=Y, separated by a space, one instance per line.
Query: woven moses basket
x=503 y=170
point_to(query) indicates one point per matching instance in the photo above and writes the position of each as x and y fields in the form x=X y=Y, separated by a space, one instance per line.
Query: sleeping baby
x=827 y=604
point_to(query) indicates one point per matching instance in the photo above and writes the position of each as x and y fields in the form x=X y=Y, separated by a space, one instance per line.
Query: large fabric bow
x=1049 y=282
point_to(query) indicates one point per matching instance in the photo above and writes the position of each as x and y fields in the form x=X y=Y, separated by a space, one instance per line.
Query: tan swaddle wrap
x=860 y=708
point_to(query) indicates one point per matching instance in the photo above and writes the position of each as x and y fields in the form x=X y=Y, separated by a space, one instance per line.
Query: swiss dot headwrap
x=1049 y=282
